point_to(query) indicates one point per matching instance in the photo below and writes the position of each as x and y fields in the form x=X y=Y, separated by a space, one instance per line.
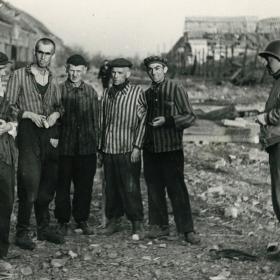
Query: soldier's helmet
x=272 y=49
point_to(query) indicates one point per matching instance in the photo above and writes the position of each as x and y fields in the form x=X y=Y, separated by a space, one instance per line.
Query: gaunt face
x=44 y=54
x=119 y=75
x=156 y=72
x=75 y=73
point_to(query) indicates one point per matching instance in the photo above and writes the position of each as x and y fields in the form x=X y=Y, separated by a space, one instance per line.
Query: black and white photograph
x=139 y=140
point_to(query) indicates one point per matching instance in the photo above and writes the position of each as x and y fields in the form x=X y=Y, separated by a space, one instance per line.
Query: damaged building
x=19 y=31
x=215 y=38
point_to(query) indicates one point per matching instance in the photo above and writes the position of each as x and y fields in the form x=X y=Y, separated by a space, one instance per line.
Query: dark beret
x=155 y=59
x=76 y=60
x=120 y=62
x=4 y=59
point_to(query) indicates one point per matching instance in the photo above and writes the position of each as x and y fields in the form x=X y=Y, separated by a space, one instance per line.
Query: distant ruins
x=206 y=38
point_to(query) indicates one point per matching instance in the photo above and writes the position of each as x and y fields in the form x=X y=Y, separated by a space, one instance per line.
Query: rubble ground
x=229 y=186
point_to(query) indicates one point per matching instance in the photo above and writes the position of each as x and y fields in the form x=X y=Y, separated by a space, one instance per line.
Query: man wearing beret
x=169 y=113
x=77 y=147
x=36 y=103
x=7 y=165
x=122 y=133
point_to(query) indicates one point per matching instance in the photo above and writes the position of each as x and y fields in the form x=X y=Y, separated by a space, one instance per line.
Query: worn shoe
x=157 y=231
x=112 y=227
x=192 y=238
x=138 y=230
x=64 y=229
x=85 y=228
x=50 y=236
x=24 y=241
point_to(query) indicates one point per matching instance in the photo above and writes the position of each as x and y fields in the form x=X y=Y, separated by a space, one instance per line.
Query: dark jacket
x=270 y=133
x=79 y=125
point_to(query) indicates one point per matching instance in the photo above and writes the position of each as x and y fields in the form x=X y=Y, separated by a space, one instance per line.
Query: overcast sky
x=127 y=27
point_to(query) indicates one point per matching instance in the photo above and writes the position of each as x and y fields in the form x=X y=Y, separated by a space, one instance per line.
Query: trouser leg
x=62 y=198
x=29 y=173
x=6 y=205
x=158 y=214
x=173 y=173
x=128 y=176
x=49 y=175
x=83 y=175
x=274 y=163
x=114 y=205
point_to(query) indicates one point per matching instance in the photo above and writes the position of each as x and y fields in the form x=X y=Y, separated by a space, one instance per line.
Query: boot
x=138 y=230
x=50 y=235
x=24 y=241
x=85 y=228
x=157 y=231
x=112 y=226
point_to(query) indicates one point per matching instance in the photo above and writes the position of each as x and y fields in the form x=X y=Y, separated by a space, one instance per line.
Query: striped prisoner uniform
x=77 y=151
x=163 y=154
x=122 y=129
x=38 y=158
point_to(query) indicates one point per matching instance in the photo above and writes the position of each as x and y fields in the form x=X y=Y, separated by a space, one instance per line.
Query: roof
x=197 y=26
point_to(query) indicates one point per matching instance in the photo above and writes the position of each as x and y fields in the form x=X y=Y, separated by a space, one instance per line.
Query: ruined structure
x=19 y=31
x=216 y=38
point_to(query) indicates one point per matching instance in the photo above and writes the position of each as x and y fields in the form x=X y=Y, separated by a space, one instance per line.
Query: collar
x=28 y=70
x=155 y=86
x=123 y=88
x=70 y=85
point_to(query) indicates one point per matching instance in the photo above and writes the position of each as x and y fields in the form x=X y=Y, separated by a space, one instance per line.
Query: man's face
x=3 y=70
x=119 y=75
x=75 y=73
x=273 y=64
x=156 y=72
x=44 y=54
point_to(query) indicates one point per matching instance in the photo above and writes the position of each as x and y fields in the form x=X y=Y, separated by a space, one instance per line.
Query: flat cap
x=4 y=59
x=120 y=62
x=155 y=59
x=76 y=60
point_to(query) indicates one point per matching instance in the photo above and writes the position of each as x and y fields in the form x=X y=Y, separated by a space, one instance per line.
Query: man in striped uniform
x=36 y=102
x=169 y=113
x=7 y=164
x=77 y=147
x=122 y=132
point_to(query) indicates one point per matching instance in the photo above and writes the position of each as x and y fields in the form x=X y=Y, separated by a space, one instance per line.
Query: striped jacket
x=170 y=100
x=7 y=146
x=79 y=124
x=122 y=120
x=23 y=94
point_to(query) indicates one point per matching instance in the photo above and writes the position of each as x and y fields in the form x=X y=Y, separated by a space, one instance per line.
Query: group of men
x=63 y=129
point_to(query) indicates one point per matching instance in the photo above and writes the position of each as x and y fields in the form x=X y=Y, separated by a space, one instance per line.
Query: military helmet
x=272 y=49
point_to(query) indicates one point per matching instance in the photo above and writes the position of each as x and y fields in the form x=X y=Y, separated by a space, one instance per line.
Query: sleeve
x=95 y=108
x=57 y=106
x=12 y=94
x=101 y=121
x=185 y=116
x=142 y=115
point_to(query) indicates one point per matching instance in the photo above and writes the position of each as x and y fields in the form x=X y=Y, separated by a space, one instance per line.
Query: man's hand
x=135 y=155
x=261 y=119
x=158 y=121
x=4 y=127
x=37 y=119
x=52 y=118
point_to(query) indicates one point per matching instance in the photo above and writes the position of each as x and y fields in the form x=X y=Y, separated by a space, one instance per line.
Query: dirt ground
x=229 y=186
